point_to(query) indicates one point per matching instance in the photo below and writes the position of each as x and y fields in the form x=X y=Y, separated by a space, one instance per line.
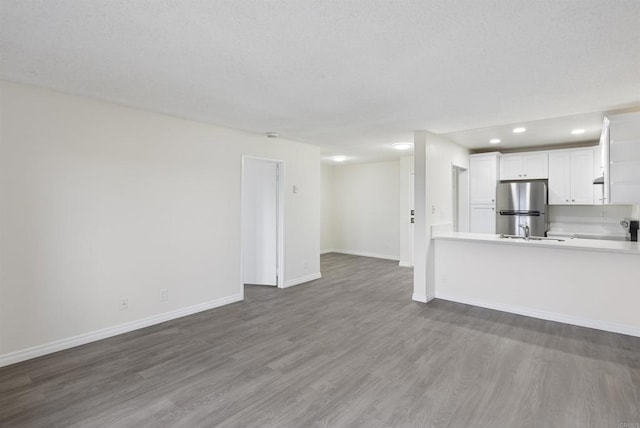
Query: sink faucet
x=527 y=231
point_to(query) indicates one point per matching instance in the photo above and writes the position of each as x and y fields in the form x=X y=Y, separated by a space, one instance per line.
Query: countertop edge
x=579 y=244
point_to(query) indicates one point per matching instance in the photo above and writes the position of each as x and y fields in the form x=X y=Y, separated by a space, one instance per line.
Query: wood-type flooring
x=348 y=350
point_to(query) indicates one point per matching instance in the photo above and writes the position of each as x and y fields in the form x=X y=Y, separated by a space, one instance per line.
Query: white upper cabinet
x=582 y=177
x=624 y=159
x=559 y=178
x=571 y=177
x=483 y=176
x=524 y=166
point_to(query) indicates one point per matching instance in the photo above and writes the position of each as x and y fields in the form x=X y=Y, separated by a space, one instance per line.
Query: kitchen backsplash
x=590 y=219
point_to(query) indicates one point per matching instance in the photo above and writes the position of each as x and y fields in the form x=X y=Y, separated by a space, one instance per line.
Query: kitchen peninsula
x=585 y=282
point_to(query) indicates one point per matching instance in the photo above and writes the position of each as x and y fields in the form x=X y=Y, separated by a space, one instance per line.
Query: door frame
x=280 y=225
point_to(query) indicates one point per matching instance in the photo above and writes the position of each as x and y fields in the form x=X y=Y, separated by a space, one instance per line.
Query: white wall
x=441 y=155
x=366 y=209
x=99 y=202
x=433 y=162
x=406 y=229
x=326 y=208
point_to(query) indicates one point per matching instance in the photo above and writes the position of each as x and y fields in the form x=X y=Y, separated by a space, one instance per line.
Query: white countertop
x=625 y=247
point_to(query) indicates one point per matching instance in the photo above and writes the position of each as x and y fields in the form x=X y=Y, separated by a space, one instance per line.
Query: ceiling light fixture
x=519 y=130
x=401 y=146
x=494 y=140
x=577 y=131
x=271 y=134
x=339 y=158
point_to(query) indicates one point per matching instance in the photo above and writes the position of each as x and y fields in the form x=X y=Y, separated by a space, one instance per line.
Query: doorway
x=262 y=225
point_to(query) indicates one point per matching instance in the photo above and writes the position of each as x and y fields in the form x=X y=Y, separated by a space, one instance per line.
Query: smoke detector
x=271 y=134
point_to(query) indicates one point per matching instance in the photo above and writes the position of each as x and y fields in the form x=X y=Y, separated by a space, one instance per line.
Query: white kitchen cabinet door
x=482 y=219
x=571 y=177
x=559 y=178
x=624 y=159
x=535 y=166
x=524 y=166
x=483 y=175
x=511 y=167
x=582 y=177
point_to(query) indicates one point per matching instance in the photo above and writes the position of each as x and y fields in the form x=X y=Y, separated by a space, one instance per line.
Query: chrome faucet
x=527 y=231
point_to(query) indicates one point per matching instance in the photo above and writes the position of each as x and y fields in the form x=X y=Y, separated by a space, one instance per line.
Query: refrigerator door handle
x=515 y=212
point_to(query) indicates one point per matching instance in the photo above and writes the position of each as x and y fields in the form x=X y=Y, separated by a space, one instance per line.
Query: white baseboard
x=70 y=342
x=302 y=279
x=366 y=254
x=631 y=330
x=328 y=250
x=419 y=298
x=403 y=263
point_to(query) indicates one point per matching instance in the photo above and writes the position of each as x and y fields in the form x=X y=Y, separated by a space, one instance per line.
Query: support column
x=420 y=241
x=423 y=262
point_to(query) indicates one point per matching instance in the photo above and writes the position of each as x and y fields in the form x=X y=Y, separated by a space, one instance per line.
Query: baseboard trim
x=302 y=279
x=328 y=250
x=422 y=298
x=402 y=263
x=630 y=330
x=71 y=342
x=366 y=254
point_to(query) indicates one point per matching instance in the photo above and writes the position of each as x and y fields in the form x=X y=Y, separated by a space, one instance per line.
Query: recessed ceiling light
x=519 y=130
x=339 y=158
x=577 y=131
x=401 y=146
x=494 y=140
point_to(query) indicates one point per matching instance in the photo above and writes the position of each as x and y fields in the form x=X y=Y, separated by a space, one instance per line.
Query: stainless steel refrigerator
x=521 y=203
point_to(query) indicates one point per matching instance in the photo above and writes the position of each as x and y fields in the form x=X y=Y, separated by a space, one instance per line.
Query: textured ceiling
x=351 y=76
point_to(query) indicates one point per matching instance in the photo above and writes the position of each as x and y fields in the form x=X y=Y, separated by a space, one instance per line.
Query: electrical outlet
x=164 y=295
x=124 y=304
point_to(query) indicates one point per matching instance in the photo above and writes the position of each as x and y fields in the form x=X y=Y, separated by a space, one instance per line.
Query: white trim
x=282 y=193
x=419 y=298
x=402 y=263
x=328 y=250
x=631 y=330
x=81 y=339
x=302 y=279
x=422 y=298
x=366 y=254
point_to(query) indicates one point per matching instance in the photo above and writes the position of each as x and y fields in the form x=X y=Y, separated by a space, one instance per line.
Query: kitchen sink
x=532 y=238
